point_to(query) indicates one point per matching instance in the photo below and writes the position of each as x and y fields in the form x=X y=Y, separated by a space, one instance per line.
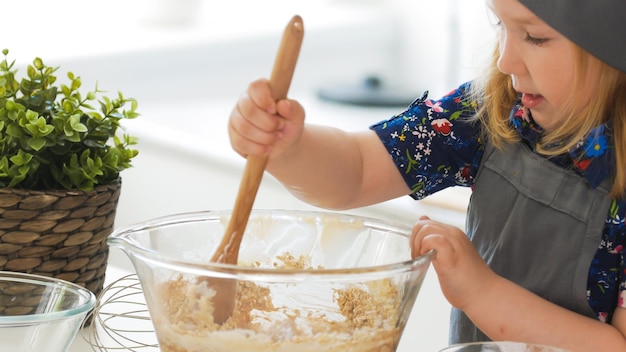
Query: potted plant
x=61 y=154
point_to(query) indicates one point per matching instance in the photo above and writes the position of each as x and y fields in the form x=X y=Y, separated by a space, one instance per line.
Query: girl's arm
x=335 y=169
x=506 y=311
x=502 y=309
x=323 y=166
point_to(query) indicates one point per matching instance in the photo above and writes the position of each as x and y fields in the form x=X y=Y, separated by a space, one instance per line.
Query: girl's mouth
x=531 y=100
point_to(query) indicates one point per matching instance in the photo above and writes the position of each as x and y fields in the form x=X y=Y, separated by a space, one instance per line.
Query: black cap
x=598 y=26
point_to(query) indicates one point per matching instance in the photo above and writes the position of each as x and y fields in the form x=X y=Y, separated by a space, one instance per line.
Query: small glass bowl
x=500 y=346
x=39 y=313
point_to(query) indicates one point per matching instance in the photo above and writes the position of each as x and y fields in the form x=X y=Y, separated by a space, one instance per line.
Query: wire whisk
x=120 y=319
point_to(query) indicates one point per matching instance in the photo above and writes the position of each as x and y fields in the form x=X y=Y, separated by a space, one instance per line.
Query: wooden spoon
x=228 y=250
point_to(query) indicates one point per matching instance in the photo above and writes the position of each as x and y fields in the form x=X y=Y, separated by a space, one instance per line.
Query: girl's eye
x=534 y=40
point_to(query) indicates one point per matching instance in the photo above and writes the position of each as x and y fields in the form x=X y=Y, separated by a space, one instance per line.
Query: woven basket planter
x=59 y=234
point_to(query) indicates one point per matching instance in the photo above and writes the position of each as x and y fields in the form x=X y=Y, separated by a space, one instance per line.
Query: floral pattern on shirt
x=435 y=145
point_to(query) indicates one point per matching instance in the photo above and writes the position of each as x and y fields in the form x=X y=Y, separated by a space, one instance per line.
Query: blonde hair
x=608 y=102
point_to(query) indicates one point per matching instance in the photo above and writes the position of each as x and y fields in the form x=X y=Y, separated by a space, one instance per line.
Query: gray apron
x=538 y=225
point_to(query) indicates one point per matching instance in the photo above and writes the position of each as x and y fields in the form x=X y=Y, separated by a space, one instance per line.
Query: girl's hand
x=462 y=273
x=260 y=126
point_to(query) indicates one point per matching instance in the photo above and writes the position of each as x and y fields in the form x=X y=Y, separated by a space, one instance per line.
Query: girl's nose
x=509 y=62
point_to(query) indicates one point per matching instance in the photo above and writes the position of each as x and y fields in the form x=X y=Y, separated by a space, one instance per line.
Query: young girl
x=541 y=139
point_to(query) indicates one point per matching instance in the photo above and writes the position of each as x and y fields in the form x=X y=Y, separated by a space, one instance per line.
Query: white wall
x=417 y=44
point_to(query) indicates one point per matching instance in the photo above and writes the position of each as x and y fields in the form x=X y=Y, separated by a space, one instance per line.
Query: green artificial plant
x=52 y=137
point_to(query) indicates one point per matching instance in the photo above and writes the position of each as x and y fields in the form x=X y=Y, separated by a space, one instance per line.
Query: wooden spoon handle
x=280 y=80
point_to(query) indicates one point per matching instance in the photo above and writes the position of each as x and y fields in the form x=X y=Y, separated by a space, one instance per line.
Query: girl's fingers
x=422 y=228
x=291 y=111
x=256 y=115
x=428 y=234
x=445 y=251
x=258 y=125
x=253 y=125
x=261 y=95
x=245 y=138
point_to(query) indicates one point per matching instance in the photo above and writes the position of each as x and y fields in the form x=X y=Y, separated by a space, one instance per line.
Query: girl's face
x=540 y=61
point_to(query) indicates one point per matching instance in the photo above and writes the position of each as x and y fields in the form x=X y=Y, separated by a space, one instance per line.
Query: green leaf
x=38 y=63
x=39 y=128
x=50 y=94
x=65 y=90
x=22 y=158
x=76 y=83
x=33 y=116
x=72 y=136
x=37 y=143
x=4 y=166
x=31 y=72
x=94 y=115
x=130 y=114
x=68 y=107
x=76 y=124
x=32 y=129
x=19 y=176
x=10 y=105
x=87 y=106
x=14 y=131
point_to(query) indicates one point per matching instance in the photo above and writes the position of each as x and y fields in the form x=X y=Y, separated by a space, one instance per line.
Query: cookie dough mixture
x=276 y=317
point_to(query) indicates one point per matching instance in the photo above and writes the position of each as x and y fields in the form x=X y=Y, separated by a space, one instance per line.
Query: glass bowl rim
x=40 y=280
x=230 y=271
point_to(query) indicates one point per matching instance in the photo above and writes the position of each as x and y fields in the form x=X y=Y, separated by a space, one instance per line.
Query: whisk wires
x=120 y=320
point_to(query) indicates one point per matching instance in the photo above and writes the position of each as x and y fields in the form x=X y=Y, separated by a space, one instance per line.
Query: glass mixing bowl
x=500 y=346
x=306 y=281
x=39 y=313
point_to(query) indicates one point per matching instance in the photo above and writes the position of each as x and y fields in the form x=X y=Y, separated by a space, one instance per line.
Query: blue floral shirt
x=434 y=147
